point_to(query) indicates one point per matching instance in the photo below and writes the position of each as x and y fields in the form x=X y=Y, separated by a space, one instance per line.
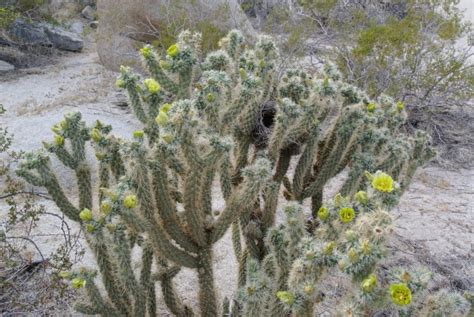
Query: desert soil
x=434 y=221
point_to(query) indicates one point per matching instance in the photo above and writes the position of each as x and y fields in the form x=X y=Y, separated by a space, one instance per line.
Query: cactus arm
x=304 y=164
x=238 y=202
x=207 y=293
x=159 y=74
x=171 y=298
x=236 y=240
x=167 y=209
x=99 y=305
x=135 y=101
x=192 y=207
x=282 y=166
x=123 y=255
x=146 y=281
x=84 y=185
x=271 y=202
x=107 y=269
x=63 y=155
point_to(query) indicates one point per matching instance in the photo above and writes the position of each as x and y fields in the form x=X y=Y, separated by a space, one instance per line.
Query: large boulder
x=43 y=34
x=124 y=26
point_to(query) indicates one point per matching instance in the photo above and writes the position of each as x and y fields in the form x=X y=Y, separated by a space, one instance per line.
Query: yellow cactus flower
x=286 y=297
x=78 y=283
x=173 y=50
x=371 y=107
x=85 y=215
x=130 y=201
x=346 y=214
x=138 y=134
x=382 y=182
x=369 y=283
x=58 y=139
x=323 y=213
x=120 y=83
x=400 y=106
x=400 y=294
x=243 y=73
x=146 y=51
x=152 y=85
x=165 y=108
x=161 y=119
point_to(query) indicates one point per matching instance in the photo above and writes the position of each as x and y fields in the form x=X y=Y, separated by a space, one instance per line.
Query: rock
x=77 y=27
x=64 y=40
x=45 y=35
x=88 y=13
x=29 y=33
x=126 y=25
x=94 y=24
x=6 y=67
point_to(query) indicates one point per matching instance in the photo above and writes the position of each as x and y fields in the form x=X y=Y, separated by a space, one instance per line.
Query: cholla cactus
x=226 y=116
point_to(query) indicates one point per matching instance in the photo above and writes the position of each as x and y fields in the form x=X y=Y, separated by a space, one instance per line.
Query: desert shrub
x=227 y=118
x=28 y=282
x=7 y=16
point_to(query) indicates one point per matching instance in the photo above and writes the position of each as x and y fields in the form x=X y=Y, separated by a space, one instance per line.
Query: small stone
x=94 y=24
x=77 y=27
x=88 y=13
x=6 y=67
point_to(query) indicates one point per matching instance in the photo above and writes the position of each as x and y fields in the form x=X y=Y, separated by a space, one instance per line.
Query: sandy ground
x=435 y=218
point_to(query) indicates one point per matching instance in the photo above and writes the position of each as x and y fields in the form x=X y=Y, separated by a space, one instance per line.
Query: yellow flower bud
x=138 y=134
x=323 y=213
x=152 y=85
x=210 y=97
x=371 y=107
x=85 y=215
x=173 y=50
x=361 y=197
x=120 y=83
x=166 y=107
x=353 y=256
x=165 y=65
x=105 y=207
x=168 y=138
x=161 y=119
x=329 y=248
x=58 y=139
x=95 y=135
x=78 y=283
x=400 y=106
x=369 y=283
x=146 y=51
x=130 y=201
x=90 y=228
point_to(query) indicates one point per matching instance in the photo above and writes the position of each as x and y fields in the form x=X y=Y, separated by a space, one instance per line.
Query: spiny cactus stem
x=207 y=293
x=160 y=76
x=167 y=208
x=84 y=184
x=108 y=270
x=193 y=205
